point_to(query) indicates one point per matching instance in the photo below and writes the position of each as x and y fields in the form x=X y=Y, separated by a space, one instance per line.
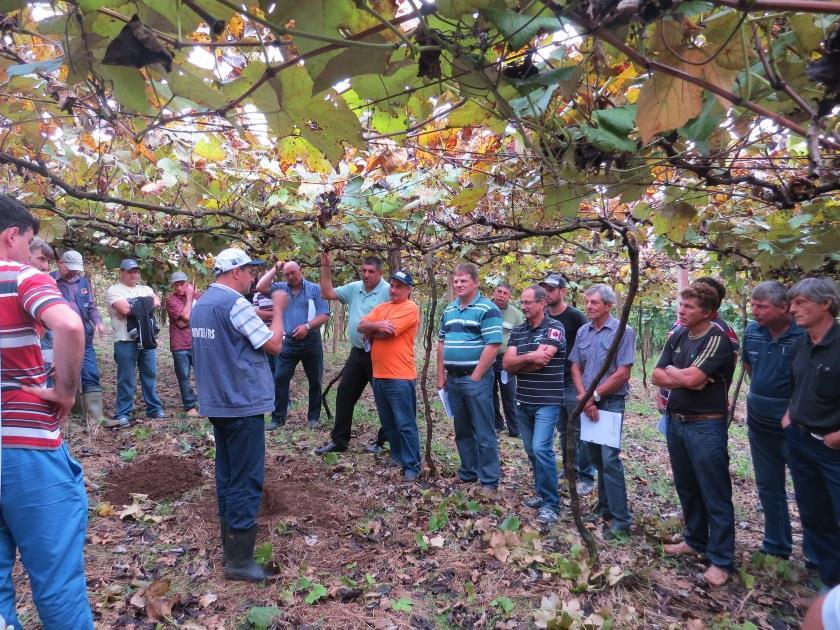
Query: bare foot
x=716 y=576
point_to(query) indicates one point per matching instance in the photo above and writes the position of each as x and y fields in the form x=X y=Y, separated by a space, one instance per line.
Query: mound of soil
x=160 y=476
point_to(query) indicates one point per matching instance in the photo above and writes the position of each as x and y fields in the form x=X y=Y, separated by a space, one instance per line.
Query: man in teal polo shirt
x=469 y=340
x=360 y=297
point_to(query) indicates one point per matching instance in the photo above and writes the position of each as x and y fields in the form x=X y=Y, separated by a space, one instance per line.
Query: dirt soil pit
x=162 y=477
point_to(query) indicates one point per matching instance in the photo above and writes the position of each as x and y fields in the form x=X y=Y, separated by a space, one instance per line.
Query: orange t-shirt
x=393 y=357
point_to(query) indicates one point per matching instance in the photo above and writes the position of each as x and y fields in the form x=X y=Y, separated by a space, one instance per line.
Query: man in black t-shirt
x=572 y=319
x=695 y=365
x=536 y=353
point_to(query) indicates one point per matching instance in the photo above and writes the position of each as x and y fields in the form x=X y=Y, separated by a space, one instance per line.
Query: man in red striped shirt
x=43 y=505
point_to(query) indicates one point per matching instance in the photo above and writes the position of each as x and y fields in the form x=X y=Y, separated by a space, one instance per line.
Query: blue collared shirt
x=591 y=348
x=770 y=360
x=298 y=310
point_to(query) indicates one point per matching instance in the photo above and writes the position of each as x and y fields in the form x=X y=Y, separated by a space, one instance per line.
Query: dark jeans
x=612 y=488
x=815 y=469
x=128 y=356
x=475 y=427
x=90 y=371
x=309 y=352
x=583 y=464
x=396 y=403
x=355 y=376
x=507 y=392
x=240 y=468
x=700 y=463
x=183 y=364
x=769 y=449
x=536 y=427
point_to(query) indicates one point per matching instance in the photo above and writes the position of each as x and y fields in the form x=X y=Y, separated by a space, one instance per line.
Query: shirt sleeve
x=174 y=307
x=244 y=319
x=406 y=318
x=666 y=358
x=37 y=292
x=574 y=353
x=442 y=330
x=626 y=354
x=491 y=326
x=113 y=294
x=322 y=307
x=555 y=335
x=747 y=332
x=714 y=355
x=344 y=292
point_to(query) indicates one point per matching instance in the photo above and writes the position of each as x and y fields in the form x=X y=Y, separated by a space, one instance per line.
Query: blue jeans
x=612 y=488
x=127 y=356
x=43 y=513
x=240 y=468
x=90 y=371
x=700 y=463
x=475 y=427
x=396 y=403
x=815 y=469
x=583 y=464
x=769 y=449
x=536 y=428
x=183 y=364
x=309 y=352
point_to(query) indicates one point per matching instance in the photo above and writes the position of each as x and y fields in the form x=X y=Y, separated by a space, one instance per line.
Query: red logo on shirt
x=555 y=334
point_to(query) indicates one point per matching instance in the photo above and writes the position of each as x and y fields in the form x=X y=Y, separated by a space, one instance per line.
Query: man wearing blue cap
x=179 y=307
x=236 y=390
x=128 y=354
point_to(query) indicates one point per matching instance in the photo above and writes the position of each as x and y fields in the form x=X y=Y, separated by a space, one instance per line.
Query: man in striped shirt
x=43 y=505
x=469 y=339
x=537 y=355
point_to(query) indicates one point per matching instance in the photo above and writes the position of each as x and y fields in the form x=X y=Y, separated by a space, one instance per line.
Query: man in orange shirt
x=391 y=328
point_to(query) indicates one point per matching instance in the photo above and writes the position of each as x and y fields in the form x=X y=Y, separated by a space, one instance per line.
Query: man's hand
x=300 y=332
x=189 y=291
x=100 y=329
x=325 y=260
x=63 y=404
x=832 y=440
x=441 y=380
x=592 y=411
x=387 y=328
x=702 y=385
x=278 y=266
x=541 y=357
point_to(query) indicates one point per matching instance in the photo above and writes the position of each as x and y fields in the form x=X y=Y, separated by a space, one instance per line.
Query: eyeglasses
x=527 y=302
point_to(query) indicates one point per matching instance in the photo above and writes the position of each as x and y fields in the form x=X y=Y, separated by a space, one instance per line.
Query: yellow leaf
x=209 y=148
x=666 y=103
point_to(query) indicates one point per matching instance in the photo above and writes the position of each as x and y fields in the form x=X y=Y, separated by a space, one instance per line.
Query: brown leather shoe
x=716 y=576
x=680 y=549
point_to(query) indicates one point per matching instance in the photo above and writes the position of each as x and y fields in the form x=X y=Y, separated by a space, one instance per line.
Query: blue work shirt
x=591 y=349
x=298 y=311
x=770 y=360
x=359 y=303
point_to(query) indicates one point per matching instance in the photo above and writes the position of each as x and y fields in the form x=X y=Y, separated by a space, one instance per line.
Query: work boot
x=78 y=408
x=223 y=530
x=240 y=563
x=93 y=406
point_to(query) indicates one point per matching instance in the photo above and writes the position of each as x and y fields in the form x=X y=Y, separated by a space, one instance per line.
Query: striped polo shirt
x=465 y=331
x=25 y=294
x=545 y=386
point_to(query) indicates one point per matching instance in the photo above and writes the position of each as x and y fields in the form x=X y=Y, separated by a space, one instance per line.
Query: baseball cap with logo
x=554 y=281
x=178 y=276
x=233 y=258
x=73 y=260
x=128 y=264
x=404 y=277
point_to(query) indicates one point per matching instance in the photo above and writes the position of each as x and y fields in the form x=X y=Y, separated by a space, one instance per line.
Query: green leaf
x=263 y=553
x=7 y=6
x=261 y=617
x=518 y=29
x=563 y=199
x=469 y=589
x=511 y=523
x=503 y=604
x=674 y=219
x=318 y=591
x=617 y=120
x=403 y=604
x=48 y=65
x=349 y=63
x=210 y=148
x=331 y=459
x=420 y=539
x=128 y=454
x=799 y=221
x=129 y=87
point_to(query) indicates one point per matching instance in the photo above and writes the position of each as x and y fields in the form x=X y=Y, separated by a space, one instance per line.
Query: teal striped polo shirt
x=465 y=331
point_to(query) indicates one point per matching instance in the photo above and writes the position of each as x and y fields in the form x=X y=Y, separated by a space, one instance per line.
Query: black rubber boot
x=223 y=530
x=240 y=563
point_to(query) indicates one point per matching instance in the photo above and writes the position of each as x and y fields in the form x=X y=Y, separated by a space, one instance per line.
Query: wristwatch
x=308 y=327
x=596 y=396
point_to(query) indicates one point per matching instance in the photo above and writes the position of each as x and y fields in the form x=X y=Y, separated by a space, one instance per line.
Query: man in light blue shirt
x=306 y=313
x=360 y=297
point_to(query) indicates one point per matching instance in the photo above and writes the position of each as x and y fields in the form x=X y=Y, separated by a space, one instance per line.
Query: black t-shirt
x=572 y=319
x=546 y=386
x=712 y=353
x=815 y=374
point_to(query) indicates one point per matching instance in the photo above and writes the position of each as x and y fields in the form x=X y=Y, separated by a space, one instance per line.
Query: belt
x=817 y=432
x=694 y=417
x=460 y=371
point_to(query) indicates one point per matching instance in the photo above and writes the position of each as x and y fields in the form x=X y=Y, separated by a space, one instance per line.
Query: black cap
x=403 y=276
x=554 y=281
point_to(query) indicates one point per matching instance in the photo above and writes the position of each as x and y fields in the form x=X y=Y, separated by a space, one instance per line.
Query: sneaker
x=489 y=492
x=313 y=424
x=535 y=502
x=410 y=475
x=329 y=447
x=619 y=534
x=273 y=425
x=585 y=487
x=547 y=516
x=117 y=423
x=374 y=448
x=160 y=415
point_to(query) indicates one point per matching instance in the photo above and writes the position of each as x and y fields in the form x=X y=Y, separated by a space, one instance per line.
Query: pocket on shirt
x=825 y=382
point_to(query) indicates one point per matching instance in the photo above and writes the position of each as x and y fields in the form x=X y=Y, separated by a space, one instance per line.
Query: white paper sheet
x=606 y=431
x=444 y=398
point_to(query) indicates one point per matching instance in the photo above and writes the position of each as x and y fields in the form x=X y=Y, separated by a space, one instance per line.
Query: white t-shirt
x=120 y=291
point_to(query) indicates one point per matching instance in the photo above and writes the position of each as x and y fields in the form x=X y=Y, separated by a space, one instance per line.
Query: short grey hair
x=819 y=290
x=539 y=292
x=771 y=291
x=44 y=247
x=606 y=294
